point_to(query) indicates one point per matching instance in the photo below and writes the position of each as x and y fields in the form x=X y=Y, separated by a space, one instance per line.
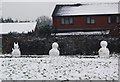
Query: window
x=109 y=19
x=90 y=20
x=113 y=19
x=67 y=20
x=62 y=20
x=117 y=19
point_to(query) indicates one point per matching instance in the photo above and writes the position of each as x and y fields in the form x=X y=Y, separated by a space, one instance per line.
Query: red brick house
x=86 y=17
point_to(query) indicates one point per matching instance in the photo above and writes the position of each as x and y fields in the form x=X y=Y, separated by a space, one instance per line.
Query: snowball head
x=16 y=46
x=55 y=45
x=103 y=43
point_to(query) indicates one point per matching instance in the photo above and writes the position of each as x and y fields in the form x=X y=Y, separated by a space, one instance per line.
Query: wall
x=80 y=22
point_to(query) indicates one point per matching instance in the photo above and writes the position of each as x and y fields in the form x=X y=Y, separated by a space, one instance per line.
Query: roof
x=6 y=28
x=86 y=9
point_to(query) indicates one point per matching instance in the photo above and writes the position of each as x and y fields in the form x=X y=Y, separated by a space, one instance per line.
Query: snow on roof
x=6 y=28
x=86 y=9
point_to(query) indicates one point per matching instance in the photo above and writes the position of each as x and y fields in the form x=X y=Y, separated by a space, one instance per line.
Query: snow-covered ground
x=60 y=68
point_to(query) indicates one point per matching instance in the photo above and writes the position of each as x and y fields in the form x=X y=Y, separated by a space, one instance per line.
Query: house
x=6 y=28
x=86 y=17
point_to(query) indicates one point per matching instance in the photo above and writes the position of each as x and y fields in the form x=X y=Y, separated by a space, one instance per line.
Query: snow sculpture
x=16 y=50
x=54 y=51
x=103 y=51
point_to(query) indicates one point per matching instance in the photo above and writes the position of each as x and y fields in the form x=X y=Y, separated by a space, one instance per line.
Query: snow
x=17 y=27
x=104 y=51
x=54 y=51
x=58 y=68
x=88 y=9
x=16 y=50
x=84 y=33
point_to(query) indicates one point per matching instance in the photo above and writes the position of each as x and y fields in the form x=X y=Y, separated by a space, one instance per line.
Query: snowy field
x=58 y=68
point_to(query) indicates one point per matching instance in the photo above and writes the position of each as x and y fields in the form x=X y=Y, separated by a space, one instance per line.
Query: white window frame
x=66 y=20
x=109 y=19
x=90 y=20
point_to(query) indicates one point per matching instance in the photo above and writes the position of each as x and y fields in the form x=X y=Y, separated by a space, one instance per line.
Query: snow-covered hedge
x=71 y=45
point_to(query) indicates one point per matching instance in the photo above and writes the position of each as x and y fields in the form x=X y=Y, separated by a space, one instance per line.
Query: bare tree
x=43 y=21
x=43 y=26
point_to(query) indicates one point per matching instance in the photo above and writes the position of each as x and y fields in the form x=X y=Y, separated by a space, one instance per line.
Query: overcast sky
x=31 y=9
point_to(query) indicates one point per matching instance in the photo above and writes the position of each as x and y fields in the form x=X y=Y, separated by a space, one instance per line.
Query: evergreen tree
x=1 y=20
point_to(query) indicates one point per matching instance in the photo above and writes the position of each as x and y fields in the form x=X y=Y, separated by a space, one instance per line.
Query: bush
x=68 y=45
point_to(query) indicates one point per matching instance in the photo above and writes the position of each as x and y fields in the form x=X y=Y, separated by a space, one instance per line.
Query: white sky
x=31 y=9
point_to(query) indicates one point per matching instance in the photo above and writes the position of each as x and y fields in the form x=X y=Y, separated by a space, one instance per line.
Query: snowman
x=54 y=51
x=103 y=51
x=16 y=50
